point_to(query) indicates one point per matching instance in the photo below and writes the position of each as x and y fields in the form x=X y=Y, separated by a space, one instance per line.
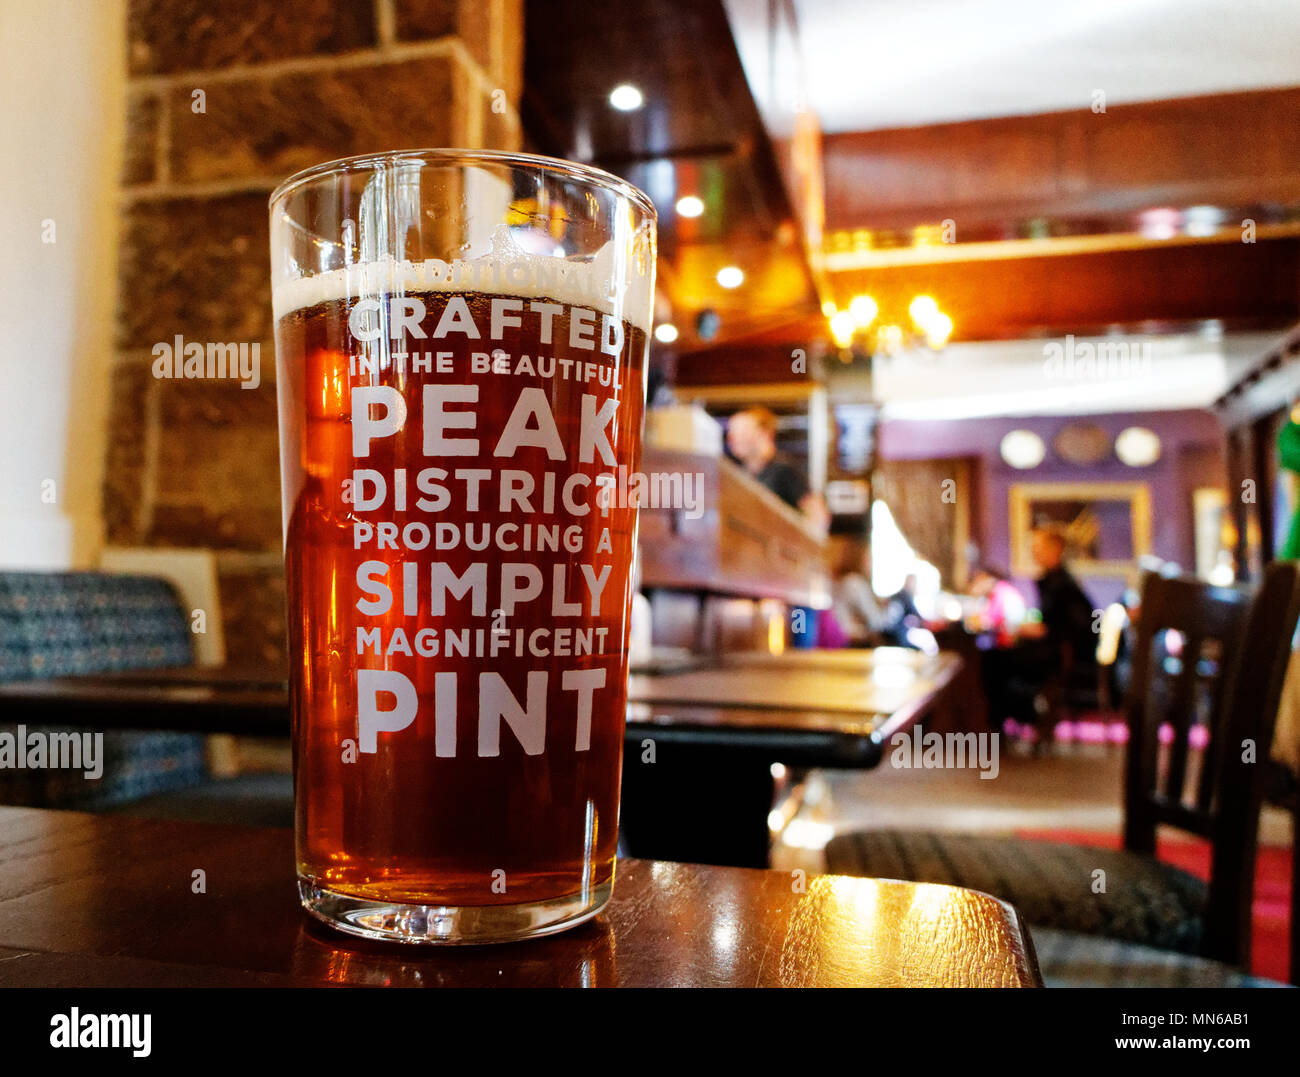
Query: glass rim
x=445 y=155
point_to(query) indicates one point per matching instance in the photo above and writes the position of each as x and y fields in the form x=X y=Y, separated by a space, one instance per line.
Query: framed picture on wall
x=1106 y=525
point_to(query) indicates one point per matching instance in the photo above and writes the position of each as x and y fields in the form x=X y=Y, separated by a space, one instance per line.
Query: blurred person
x=751 y=437
x=901 y=614
x=854 y=605
x=1003 y=610
x=1061 y=644
x=1067 y=610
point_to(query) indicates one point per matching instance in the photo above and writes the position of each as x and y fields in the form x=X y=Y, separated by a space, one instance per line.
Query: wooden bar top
x=745 y=541
x=108 y=901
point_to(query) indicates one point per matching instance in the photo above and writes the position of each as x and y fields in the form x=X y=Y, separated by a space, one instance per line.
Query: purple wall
x=1189 y=440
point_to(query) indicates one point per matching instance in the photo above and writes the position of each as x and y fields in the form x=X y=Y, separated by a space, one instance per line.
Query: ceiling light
x=842 y=328
x=863 y=310
x=731 y=276
x=666 y=333
x=689 y=206
x=1023 y=449
x=938 y=329
x=922 y=309
x=626 y=98
x=828 y=308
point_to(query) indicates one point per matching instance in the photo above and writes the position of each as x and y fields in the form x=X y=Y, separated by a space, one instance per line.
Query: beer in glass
x=461 y=345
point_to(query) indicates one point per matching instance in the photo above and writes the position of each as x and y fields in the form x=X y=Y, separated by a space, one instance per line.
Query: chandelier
x=860 y=329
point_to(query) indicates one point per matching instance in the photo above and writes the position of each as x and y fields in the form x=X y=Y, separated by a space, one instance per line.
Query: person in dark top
x=788 y=483
x=1067 y=611
x=901 y=613
x=1063 y=643
x=751 y=437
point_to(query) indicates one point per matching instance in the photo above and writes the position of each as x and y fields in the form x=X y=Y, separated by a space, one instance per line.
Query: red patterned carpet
x=1269 y=952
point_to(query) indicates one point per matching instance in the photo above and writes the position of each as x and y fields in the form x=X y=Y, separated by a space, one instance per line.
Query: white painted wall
x=63 y=96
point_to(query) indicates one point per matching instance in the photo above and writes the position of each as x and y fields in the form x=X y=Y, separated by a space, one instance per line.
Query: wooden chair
x=1283 y=790
x=1223 y=669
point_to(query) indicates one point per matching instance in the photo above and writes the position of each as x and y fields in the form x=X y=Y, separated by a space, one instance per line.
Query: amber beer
x=459 y=578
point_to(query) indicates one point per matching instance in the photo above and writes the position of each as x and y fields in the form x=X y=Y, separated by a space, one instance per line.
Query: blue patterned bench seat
x=65 y=624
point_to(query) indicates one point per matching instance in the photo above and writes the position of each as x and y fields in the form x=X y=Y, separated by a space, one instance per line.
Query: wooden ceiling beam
x=1225 y=150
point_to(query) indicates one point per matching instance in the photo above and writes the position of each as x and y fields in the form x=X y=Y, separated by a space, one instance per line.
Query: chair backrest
x=1209 y=659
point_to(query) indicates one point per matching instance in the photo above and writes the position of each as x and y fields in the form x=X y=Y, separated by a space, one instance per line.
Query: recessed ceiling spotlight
x=731 y=276
x=666 y=333
x=626 y=98
x=689 y=206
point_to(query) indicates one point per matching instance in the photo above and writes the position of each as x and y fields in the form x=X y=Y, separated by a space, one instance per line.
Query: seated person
x=1063 y=643
x=901 y=614
x=1004 y=609
x=854 y=605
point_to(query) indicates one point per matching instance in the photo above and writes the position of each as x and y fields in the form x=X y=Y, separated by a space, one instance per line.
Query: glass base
x=450 y=925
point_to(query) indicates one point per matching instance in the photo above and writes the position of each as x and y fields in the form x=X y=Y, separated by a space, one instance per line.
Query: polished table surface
x=810 y=708
x=200 y=699
x=700 y=742
x=106 y=901
x=815 y=708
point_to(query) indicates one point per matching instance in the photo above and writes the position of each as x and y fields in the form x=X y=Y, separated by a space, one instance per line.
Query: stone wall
x=224 y=101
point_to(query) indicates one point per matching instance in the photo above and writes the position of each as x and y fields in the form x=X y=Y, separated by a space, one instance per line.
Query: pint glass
x=461 y=346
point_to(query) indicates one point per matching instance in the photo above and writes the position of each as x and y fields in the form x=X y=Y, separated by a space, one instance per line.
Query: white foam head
x=612 y=282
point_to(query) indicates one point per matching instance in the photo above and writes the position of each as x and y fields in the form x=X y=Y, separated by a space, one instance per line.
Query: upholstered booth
x=61 y=624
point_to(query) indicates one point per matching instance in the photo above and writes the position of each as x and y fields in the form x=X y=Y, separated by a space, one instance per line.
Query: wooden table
x=188 y=699
x=809 y=708
x=106 y=901
x=806 y=708
x=699 y=744
x=718 y=730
